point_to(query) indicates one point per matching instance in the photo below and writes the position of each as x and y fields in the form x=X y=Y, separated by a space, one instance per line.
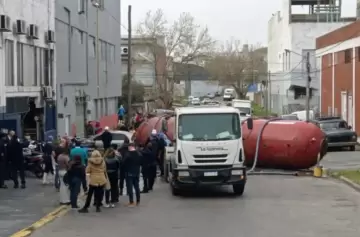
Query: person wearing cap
x=106 y=138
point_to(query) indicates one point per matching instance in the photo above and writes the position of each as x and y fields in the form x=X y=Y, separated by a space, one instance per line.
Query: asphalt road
x=342 y=160
x=20 y=208
x=272 y=206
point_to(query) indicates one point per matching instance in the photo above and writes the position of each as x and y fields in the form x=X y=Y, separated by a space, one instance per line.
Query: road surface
x=342 y=160
x=20 y=208
x=272 y=206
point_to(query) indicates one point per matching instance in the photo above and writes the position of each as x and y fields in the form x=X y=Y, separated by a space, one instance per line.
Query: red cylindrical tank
x=144 y=130
x=289 y=145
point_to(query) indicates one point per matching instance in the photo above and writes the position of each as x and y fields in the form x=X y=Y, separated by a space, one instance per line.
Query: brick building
x=339 y=57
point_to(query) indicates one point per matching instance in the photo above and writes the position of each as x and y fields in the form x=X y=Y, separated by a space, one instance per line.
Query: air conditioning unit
x=20 y=27
x=5 y=23
x=124 y=51
x=47 y=92
x=50 y=36
x=33 y=32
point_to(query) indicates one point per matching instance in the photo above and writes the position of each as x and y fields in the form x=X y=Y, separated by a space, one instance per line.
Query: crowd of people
x=11 y=160
x=104 y=174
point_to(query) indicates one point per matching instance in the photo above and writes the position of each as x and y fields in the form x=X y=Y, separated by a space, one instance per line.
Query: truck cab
x=208 y=149
x=229 y=94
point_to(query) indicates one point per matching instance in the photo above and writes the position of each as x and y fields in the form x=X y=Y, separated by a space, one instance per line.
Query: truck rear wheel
x=239 y=189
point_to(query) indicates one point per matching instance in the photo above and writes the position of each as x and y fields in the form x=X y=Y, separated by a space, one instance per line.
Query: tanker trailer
x=290 y=145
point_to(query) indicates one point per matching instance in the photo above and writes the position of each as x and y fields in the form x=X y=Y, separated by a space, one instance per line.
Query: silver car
x=118 y=138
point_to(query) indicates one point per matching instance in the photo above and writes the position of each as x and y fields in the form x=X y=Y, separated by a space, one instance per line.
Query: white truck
x=229 y=94
x=244 y=106
x=208 y=149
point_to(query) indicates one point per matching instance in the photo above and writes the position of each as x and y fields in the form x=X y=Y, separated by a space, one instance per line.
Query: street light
x=97 y=5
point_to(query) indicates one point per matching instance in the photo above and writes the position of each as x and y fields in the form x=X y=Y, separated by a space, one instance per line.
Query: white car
x=118 y=138
x=195 y=101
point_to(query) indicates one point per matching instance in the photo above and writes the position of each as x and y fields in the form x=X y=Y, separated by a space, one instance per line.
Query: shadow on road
x=208 y=192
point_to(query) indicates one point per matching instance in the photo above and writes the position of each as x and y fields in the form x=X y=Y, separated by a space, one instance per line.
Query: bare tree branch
x=183 y=42
x=236 y=65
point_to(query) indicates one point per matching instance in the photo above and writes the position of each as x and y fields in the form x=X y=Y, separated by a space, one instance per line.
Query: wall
x=40 y=13
x=77 y=64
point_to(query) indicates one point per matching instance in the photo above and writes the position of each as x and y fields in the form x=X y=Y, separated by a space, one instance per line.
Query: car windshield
x=118 y=136
x=333 y=125
x=244 y=110
x=209 y=127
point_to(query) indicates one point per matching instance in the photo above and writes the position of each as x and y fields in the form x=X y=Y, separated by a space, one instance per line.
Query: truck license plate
x=212 y=174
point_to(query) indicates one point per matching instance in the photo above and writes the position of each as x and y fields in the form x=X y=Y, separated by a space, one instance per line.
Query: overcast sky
x=244 y=20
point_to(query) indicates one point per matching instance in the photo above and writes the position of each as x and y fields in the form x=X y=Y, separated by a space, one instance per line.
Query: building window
x=69 y=32
x=20 y=63
x=329 y=59
x=111 y=53
x=103 y=50
x=347 y=54
x=35 y=49
x=48 y=67
x=28 y=66
x=40 y=66
x=91 y=45
x=335 y=58
x=358 y=54
x=9 y=63
x=79 y=35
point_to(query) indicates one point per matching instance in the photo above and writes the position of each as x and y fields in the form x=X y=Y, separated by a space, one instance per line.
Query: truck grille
x=340 y=139
x=216 y=158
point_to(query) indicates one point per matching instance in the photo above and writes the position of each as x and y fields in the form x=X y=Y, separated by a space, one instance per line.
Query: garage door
x=80 y=120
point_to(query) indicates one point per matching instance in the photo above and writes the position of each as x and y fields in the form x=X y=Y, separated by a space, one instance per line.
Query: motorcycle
x=33 y=159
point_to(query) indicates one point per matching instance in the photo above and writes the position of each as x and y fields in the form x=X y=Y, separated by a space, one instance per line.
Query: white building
x=290 y=37
x=26 y=51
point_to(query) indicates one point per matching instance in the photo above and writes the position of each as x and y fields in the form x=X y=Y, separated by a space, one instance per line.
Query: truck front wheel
x=175 y=191
x=239 y=189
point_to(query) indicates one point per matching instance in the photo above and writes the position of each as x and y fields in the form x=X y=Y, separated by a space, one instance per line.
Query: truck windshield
x=209 y=127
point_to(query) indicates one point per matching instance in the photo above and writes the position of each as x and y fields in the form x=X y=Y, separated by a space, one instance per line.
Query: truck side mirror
x=250 y=123
x=350 y=127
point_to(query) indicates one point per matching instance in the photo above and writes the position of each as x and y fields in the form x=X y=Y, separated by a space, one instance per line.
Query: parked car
x=338 y=133
x=118 y=138
x=211 y=95
x=195 y=101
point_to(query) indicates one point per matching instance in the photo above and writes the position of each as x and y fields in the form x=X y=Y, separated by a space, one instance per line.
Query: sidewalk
x=20 y=208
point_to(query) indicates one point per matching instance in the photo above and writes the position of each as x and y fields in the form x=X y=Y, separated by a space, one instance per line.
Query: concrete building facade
x=26 y=62
x=339 y=55
x=82 y=95
x=290 y=37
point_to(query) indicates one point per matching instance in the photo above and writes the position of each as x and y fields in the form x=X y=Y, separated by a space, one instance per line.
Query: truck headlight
x=354 y=138
x=236 y=172
x=184 y=174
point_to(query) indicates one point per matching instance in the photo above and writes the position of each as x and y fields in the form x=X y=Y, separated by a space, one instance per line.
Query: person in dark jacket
x=132 y=163
x=112 y=169
x=76 y=177
x=47 y=155
x=148 y=168
x=122 y=151
x=15 y=153
x=106 y=138
x=2 y=161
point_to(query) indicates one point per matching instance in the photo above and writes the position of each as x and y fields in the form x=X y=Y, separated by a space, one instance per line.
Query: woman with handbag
x=62 y=162
x=98 y=181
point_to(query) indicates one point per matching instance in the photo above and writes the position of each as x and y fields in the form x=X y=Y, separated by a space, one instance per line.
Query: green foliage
x=137 y=89
x=353 y=175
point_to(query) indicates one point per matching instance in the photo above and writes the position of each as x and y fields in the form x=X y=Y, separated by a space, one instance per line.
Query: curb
x=58 y=212
x=350 y=183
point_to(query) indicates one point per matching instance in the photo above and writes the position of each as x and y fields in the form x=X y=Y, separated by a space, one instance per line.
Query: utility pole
x=307 y=104
x=129 y=68
x=267 y=84
x=97 y=5
x=269 y=93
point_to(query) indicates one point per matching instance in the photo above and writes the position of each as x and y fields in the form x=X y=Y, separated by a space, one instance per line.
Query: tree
x=137 y=89
x=183 y=41
x=237 y=65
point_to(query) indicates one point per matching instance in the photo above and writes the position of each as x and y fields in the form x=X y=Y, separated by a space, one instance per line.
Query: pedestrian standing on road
x=122 y=151
x=61 y=148
x=2 y=161
x=79 y=151
x=106 y=138
x=17 y=161
x=121 y=114
x=133 y=162
x=112 y=169
x=96 y=169
x=63 y=165
x=76 y=177
x=48 y=161
x=149 y=168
